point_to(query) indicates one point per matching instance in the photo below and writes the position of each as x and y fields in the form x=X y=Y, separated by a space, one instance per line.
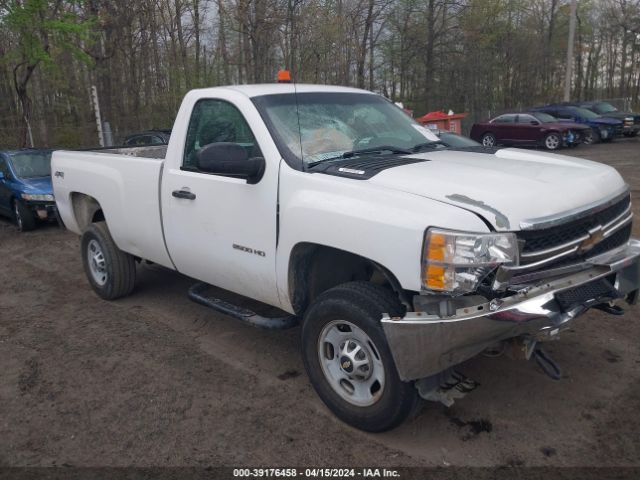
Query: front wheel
x=591 y=137
x=552 y=141
x=110 y=271
x=348 y=359
x=25 y=220
x=488 y=140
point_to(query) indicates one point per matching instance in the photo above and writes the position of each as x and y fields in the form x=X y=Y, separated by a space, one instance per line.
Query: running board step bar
x=196 y=294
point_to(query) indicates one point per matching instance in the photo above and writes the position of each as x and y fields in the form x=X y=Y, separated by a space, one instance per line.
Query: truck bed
x=126 y=184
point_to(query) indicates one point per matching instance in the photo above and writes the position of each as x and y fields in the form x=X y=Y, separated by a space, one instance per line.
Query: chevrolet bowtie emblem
x=595 y=235
x=346 y=364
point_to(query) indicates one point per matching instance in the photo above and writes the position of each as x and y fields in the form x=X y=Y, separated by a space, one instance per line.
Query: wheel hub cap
x=354 y=360
x=351 y=363
x=97 y=263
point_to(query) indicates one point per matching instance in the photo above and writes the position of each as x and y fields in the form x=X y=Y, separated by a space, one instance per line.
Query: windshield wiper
x=362 y=151
x=434 y=144
x=380 y=148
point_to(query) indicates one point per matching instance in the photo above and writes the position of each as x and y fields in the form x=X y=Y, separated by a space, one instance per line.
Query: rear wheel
x=25 y=220
x=488 y=140
x=110 y=271
x=348 y=359
x=552 y=141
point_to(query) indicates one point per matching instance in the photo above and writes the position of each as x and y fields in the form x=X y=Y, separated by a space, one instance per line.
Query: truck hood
x=37 y=185
x=508 y=188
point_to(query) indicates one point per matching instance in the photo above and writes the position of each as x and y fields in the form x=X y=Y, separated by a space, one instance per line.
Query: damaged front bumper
x=424 y=344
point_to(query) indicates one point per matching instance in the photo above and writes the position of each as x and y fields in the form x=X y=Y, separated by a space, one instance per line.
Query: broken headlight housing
x=456 y=262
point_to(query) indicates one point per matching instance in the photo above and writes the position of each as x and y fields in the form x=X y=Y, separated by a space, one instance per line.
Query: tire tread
x=372 y=300
x=123 y=274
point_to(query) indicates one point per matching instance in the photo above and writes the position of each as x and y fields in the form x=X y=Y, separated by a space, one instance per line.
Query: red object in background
x=442 y=121
x=284 y=76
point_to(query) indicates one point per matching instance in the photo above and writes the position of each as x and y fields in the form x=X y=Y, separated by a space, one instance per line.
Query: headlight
x=457 y=262
x=38 y=198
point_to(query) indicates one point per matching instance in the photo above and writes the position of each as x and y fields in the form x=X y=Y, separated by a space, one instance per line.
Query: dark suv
x=631 y=120
x=604 y=128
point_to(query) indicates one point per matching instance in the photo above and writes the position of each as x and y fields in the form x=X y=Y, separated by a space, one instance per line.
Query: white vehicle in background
x=400 y=256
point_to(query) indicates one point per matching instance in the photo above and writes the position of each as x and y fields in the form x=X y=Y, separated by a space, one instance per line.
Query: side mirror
x=535 y=122
x=232 y=160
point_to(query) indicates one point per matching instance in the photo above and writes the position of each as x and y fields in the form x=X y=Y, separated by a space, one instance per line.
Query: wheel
x=552 y=141
x=591 y=137
x=488 y=140
x=111 y=272
x=348 y=360
x=23 y=216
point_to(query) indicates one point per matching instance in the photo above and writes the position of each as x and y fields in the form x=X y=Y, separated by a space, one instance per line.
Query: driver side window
x=216 y=121
x=4 y=168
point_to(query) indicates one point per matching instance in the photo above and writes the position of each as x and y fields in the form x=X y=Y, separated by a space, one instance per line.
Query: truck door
x=219 y=229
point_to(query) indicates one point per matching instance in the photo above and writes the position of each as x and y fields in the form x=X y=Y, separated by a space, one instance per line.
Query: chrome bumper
x=423 y=344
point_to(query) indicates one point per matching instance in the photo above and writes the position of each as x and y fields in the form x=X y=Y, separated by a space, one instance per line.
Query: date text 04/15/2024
x=315 y=473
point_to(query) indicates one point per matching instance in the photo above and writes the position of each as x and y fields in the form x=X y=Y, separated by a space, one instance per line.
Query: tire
x=552 y=141
x=110 y=271
x=591 y=137
x=23 y=217
x=343 y=314
x=488 y=140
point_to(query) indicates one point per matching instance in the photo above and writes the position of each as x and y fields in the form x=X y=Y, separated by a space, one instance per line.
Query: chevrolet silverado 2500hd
x=402 y=257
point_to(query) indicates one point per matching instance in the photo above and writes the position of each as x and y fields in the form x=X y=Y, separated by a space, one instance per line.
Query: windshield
x=604 y=107
x=31 y=164
x=330 y=125
x=584 y=113
x=544 y=117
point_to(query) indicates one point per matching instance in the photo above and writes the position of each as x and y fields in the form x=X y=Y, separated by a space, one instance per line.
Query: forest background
x=476 y=56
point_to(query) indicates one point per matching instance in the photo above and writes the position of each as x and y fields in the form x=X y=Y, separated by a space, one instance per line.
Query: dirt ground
x=156 y=380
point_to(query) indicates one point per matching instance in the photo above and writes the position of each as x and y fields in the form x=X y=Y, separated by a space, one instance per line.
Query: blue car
x=603 y=129
x=26 y=193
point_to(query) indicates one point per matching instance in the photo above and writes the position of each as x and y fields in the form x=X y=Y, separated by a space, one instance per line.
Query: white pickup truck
x=401 y=257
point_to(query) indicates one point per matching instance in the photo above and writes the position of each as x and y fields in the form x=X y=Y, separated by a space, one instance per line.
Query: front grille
x=566 y=244
x=598 y=290
x=543 y=239
x=616 y=240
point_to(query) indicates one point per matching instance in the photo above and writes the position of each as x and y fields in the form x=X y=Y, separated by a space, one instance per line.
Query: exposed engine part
x=445 y=387
x=520 y=348
x=495 y=350
x=610 y=308
x=547 y=364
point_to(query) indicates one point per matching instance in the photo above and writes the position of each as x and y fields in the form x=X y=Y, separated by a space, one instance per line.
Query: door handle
x=186 y=194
